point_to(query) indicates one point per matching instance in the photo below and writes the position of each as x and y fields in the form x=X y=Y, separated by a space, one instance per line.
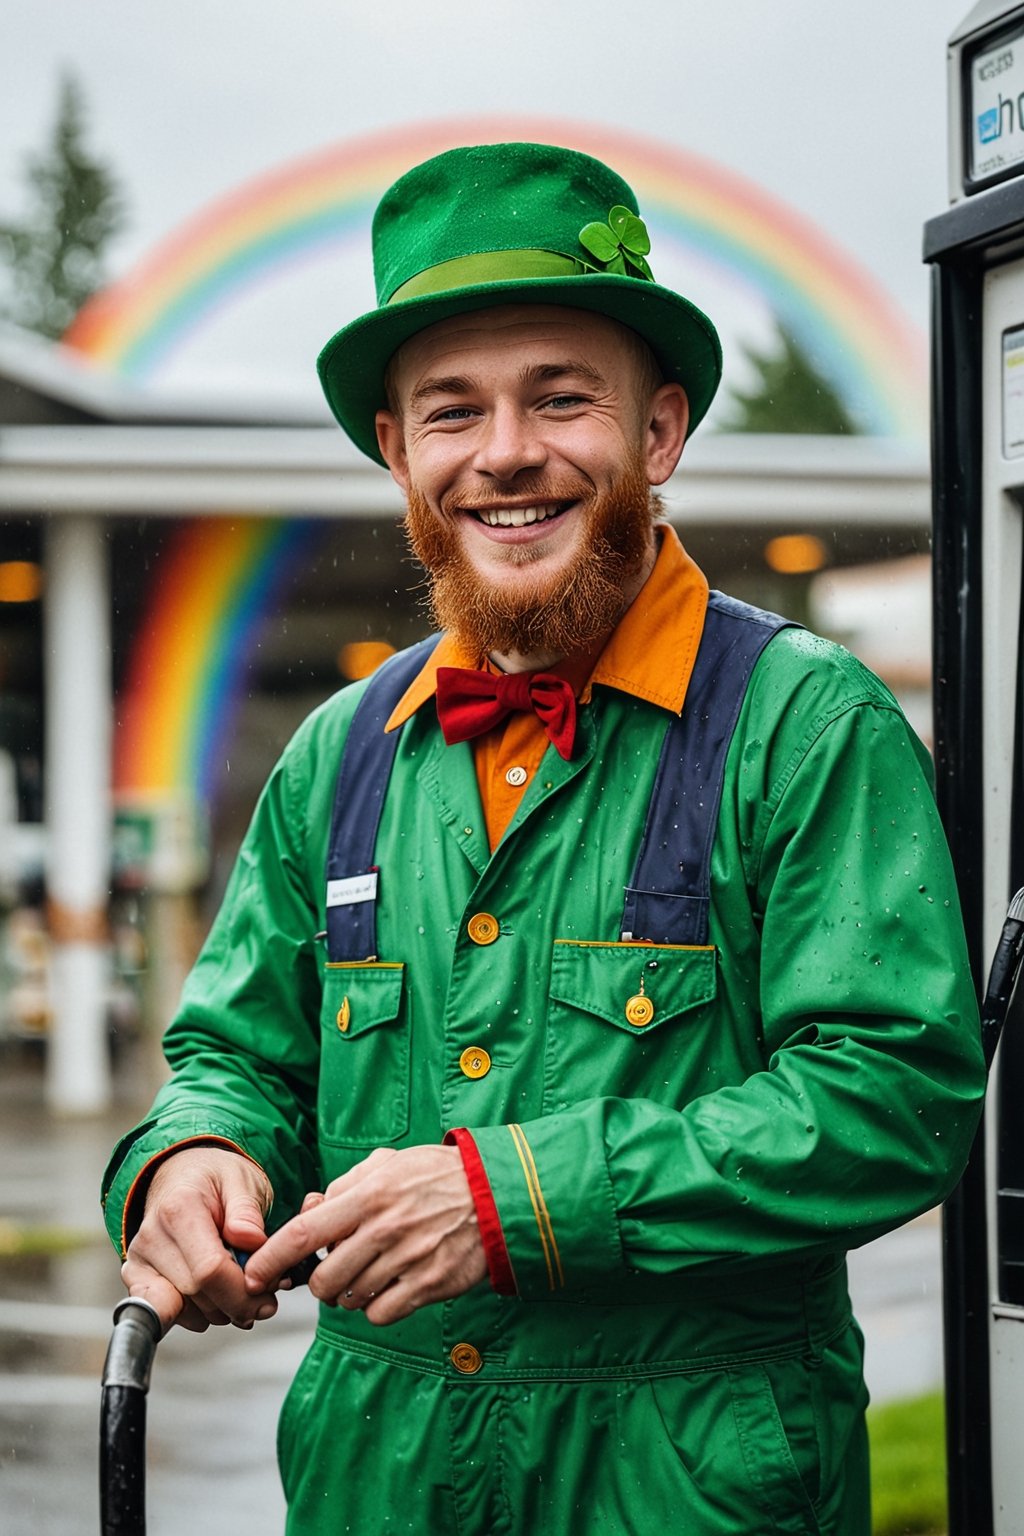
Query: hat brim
x=684 y=342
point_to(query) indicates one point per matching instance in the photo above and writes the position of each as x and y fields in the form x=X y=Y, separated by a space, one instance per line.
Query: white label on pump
x=1013 y=393
x=996 y=127
x=345 y=893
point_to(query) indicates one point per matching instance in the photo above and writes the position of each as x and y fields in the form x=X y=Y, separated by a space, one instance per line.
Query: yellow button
x=475 y=1062
x=639 y=1011
x=344 y=1015
x=466 y=1359
x=516 y=776
x=483 y=928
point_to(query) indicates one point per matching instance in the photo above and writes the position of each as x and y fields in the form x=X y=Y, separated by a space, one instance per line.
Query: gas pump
x=976 y=249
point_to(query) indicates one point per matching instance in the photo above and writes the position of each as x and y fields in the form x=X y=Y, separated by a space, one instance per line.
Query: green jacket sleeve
x=861 y=998
x=244 y=1047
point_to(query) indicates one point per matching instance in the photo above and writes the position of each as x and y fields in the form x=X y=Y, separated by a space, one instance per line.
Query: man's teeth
x=516 y=517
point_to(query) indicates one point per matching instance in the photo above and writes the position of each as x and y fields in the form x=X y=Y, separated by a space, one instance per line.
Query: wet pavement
x=213 y=1405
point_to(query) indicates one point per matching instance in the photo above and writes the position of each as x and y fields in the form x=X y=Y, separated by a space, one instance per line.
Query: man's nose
x=510 y=442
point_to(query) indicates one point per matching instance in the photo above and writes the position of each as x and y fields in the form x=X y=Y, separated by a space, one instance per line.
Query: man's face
x=525 y=443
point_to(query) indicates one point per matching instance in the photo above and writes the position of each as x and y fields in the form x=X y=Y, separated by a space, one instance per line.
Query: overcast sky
x=836 y=106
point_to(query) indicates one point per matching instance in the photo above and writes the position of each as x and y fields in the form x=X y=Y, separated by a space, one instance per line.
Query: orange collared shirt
x=649 y=654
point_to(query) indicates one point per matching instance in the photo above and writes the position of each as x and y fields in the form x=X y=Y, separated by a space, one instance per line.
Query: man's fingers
x=202 y=1202
x=401 y=1225
x=222 y=1295
x=319 y=1227
x=295 y=1241
x=362 y=1267
x=184 y=1303
x=395 y=1302
x=243 y=1223
x=189 y=1255
x=192 y=1319
x=386 y=1297
x=201 y=1267
x=353 y=1291
x=160 y=1293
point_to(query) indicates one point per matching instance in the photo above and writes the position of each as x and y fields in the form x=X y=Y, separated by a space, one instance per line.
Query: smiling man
x=591 y=977
x=527 y=442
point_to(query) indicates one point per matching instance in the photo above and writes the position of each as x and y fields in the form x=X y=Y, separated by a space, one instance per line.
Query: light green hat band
x=488 y=267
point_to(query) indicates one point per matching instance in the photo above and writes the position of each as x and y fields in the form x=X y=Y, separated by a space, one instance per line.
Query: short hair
x=390 y=388
x=649 y=374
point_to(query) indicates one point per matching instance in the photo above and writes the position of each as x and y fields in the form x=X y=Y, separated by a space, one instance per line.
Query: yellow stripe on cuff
x=540 y=1210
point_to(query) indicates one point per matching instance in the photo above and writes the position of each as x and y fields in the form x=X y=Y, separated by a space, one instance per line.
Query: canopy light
x=795 y=554
x=21 y=581
x=361 y=657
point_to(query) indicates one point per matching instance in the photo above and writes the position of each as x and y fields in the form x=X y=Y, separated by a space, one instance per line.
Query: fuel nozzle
x=1002 y=977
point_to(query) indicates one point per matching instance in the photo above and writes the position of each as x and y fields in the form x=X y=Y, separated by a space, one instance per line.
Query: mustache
x=525 y=493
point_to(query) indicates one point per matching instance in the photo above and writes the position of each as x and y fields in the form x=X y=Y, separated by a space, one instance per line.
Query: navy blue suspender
x=358 y=801
x=668 y=898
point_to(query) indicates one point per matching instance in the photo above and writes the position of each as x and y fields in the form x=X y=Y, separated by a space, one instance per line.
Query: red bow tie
x=470 y=703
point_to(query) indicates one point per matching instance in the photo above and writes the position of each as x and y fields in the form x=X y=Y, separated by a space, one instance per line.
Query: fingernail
x=266 y=1311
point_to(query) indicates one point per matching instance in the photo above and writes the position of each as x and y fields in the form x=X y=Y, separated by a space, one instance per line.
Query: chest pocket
x=628 y=1020
x=364 y=1054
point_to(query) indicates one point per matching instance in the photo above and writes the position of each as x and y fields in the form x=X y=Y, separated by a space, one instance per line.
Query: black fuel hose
x=1002 y=977
x=126 y=1372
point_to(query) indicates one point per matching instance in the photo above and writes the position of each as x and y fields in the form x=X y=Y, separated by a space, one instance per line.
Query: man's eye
x=453 y=413
x=564 y=402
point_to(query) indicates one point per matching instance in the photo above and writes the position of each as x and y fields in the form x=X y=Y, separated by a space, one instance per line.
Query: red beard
x=561 y=614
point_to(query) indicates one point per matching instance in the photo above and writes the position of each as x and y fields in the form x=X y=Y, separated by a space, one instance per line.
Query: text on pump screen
x=997 y=106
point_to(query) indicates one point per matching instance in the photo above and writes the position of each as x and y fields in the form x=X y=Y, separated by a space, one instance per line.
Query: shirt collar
x=649 y=654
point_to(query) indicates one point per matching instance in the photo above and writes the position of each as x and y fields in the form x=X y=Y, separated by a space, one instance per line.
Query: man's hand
x=401 y=1232
x=199 y=1199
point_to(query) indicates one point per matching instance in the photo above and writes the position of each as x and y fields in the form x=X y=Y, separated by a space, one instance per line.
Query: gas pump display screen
x=1013 y=393
x=995 y=98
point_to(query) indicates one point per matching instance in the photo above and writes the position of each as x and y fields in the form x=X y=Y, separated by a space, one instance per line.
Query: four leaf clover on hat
x=505 y=224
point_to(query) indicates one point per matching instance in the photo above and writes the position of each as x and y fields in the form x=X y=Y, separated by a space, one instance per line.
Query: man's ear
x=391 y=442
x=668 y=417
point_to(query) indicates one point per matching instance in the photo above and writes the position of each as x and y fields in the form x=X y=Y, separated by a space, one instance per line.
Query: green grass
x=908 y=1467
x=18 y=1241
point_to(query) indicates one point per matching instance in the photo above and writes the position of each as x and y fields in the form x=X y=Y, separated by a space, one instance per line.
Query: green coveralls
x=676 y=1199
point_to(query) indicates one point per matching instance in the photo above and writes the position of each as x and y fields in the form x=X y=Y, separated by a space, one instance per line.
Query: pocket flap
x=607 y=980
x=359 y=995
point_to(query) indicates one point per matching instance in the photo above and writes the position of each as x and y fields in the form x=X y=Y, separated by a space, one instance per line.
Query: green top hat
x=510 y=223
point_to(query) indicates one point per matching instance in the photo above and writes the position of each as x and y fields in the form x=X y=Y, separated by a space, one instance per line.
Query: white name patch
x=345 y=893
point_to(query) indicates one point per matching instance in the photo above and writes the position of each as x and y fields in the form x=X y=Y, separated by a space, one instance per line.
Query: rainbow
x=825 y=299
x=189 y=659
x=212 y=589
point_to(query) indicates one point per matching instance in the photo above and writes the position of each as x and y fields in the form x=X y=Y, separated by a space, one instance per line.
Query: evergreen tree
x=788 y=395
x=75 y=207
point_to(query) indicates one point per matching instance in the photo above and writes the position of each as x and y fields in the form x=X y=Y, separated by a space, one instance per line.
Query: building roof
x=43 y=383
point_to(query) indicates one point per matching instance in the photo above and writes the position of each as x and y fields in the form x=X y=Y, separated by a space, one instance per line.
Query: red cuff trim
x=499 y=1265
